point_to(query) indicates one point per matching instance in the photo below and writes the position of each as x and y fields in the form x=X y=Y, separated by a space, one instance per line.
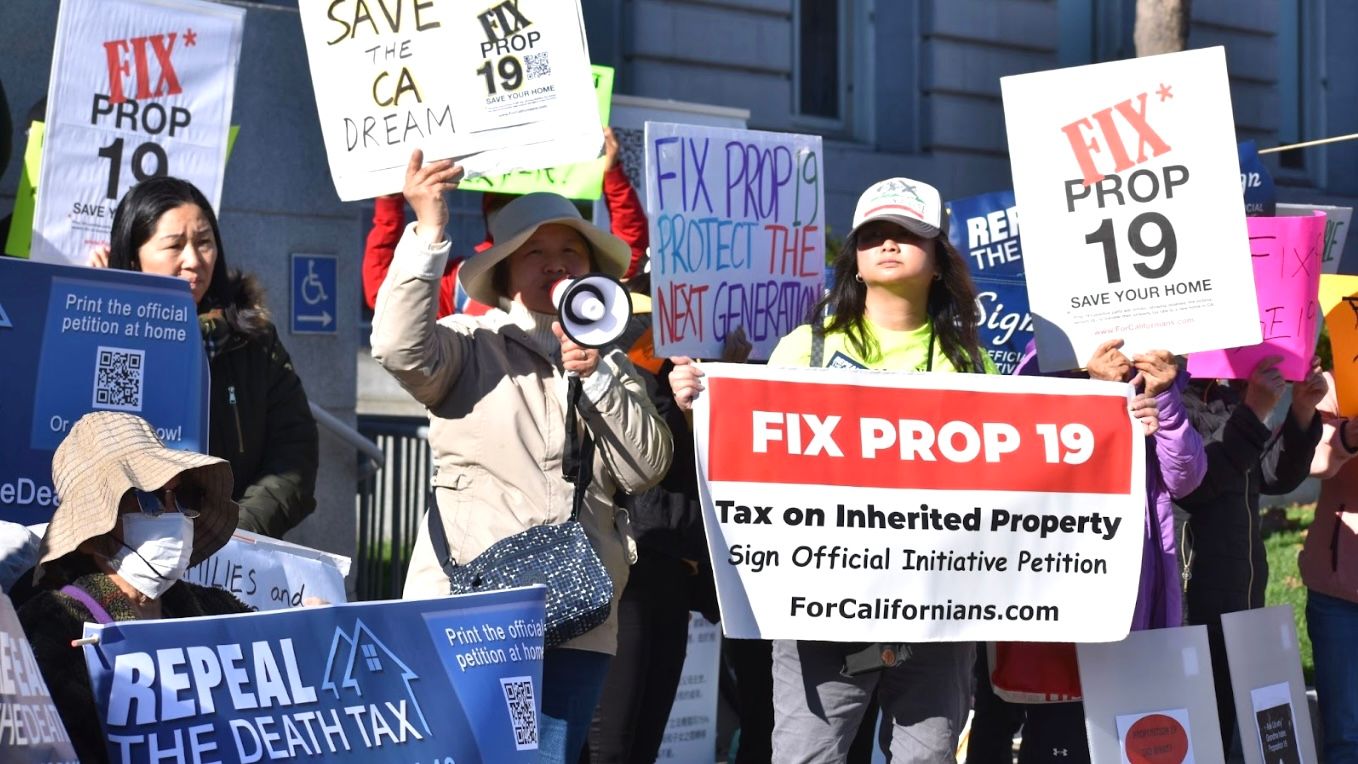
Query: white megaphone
x=593 y=309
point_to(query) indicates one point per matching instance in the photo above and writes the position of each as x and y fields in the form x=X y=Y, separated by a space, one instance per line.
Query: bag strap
x=438 y=537
x=577 y=463
x=817 y=344
x=83 y=597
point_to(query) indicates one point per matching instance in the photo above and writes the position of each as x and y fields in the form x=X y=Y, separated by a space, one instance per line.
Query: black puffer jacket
x=1224 y=545
x=260 y=419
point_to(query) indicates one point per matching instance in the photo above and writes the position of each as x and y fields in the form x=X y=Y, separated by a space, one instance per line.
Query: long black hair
x=951 y=305
x=135 y=221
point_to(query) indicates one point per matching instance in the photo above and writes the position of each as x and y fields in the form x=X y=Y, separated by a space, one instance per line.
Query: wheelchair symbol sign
x=313 y=294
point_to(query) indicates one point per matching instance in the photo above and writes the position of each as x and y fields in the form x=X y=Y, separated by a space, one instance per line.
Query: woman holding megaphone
x=496 y=390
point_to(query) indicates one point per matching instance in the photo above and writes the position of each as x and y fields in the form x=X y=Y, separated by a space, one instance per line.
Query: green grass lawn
x=1284 y=531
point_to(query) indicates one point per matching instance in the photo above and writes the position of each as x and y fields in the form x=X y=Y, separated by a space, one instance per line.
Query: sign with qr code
x=90 y=340
x=139 y=88
x=501 y=86
x=452 y=679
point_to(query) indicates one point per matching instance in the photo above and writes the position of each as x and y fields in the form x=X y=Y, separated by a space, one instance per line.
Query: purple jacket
x=1174 y=467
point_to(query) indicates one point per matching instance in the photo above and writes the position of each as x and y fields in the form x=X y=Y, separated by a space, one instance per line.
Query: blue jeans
x=1333 y=624
x=571 y=683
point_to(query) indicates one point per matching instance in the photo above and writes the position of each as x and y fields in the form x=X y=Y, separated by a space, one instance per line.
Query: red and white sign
x=1127 y=177
x=139 y=88
x=870 y=506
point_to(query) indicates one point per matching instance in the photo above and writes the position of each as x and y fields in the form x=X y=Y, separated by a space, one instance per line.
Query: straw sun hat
x=517 y=221
x=108 y=453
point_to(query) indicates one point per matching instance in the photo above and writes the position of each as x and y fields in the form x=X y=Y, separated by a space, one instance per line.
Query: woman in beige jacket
x=495 y=389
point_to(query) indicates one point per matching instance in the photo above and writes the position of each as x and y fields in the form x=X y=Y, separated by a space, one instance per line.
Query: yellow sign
x=1339 y=301
x=21 y=222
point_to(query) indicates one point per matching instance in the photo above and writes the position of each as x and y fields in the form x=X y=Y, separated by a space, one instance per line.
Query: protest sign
x=582 y=180
x=1339 y=304
x=140 y=88
x=20 y=237
x=1336 y=230
x=1286 y=254
x=985 y=230
x=442 y=680
x=691 y=732
x=30 y=727
x=1270 y=692
x=1133 y=225
x=269 y=574
x=1256 y=183
x=737 y=235
x=81 y=340
x=502 y=87
x=1014 y=504
x=1149 y=699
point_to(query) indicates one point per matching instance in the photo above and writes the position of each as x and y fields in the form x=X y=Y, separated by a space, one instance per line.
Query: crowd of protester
x=472 y=335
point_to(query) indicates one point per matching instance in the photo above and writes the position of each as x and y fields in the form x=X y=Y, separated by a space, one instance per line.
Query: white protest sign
x=1127 y=177
x=269 y=574
x=737 y=235
x=691 y=731
x=872 y=506
x=139 y=88
x=1264 y=656
x=501 y=86
x=30 y=726
x=1150 y=699
x=1336 y=230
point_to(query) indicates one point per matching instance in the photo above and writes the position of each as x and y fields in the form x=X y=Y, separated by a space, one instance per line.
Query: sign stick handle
x=1305 y=144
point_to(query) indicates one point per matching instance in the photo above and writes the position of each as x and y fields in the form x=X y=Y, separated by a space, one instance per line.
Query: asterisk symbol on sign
x=190 y=38
x=1164 y=92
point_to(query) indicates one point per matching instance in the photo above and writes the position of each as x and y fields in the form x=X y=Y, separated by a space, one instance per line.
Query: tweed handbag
x=560 y=556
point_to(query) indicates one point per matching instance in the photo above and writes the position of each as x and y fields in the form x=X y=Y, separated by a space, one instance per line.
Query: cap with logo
x=911 y=204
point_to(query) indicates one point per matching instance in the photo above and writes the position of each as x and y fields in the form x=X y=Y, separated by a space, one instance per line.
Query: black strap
x=929 y=362
x=438 y=538
x=817 y=344
x=577 y=460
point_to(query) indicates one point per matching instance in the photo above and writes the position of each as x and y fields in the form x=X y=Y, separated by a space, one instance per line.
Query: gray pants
x=817 y=711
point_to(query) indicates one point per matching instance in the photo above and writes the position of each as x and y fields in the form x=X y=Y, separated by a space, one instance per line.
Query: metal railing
x=391 y=503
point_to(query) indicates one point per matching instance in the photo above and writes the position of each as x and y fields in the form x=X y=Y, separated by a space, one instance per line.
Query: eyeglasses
x=155 y=503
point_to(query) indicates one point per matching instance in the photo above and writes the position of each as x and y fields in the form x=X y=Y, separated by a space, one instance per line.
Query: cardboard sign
x=269 y=574
x=1339 y=304
x=86 y=339
x=737 y=235
x=1133 y=226
x=582 y=180
x=1286 y=254
x=847 y=505
x=140 y=88
x=1263 y=653
x=985 y=230
x=31 y=730
x=1149 y=699
x=452 y=678
x=1336 y=230
x=691 y=732
x=500 y=86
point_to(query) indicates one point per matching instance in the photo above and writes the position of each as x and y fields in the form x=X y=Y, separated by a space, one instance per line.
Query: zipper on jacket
x=1334 y=539
x=235 y=411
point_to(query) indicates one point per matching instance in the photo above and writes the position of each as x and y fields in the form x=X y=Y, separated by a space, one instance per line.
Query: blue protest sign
x=1004 y=323
x=78 y=340
x=454 y=679
x=1260 y=196
x=313 y=294
x=985 y=229
x=30 y=726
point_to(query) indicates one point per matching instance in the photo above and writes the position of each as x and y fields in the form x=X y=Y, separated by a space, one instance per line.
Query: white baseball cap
x=911 y=204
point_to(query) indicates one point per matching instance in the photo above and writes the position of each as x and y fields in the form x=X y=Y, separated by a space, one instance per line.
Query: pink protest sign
x=1286 y=255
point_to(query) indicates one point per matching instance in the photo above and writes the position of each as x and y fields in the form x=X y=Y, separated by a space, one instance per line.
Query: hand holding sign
x=1157 y=369
x=1108 y=363
x=1308 y=393
x=424 y=189
x=1265 y=387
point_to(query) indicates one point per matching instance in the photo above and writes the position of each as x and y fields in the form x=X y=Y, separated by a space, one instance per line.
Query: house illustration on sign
x=358 y=659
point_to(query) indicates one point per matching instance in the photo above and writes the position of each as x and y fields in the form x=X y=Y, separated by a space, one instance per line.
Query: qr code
x=538 y=65
x=119 y=379
x=523 y=713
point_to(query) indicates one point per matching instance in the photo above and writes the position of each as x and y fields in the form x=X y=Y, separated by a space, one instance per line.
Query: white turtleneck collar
x=538 y=326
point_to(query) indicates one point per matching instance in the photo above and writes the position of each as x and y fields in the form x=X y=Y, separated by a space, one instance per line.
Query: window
x=1300 y=74
x=832 y=70
x=370 y=657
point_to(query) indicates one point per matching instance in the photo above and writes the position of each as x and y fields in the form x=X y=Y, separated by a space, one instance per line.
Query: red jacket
x=624 y=209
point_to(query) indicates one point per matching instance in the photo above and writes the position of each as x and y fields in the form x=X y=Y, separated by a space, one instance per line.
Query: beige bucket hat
x=518 y=220
x=108 y=453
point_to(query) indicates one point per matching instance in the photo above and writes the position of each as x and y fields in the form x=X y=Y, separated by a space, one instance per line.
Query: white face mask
x=156 y=551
